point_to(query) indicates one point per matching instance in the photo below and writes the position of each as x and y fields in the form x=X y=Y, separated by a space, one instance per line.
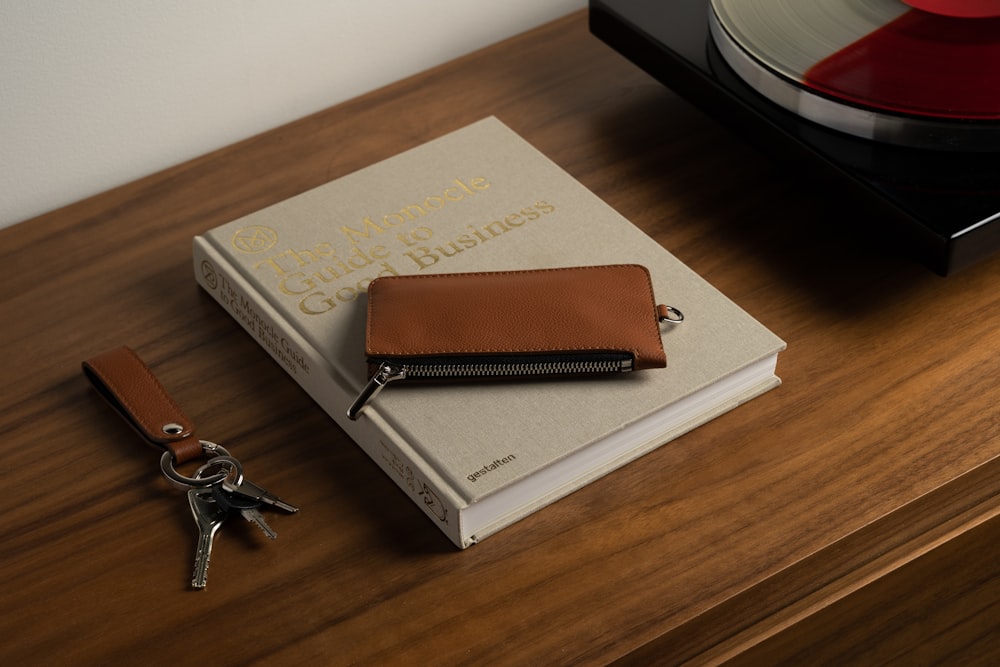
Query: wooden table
x=850 y=516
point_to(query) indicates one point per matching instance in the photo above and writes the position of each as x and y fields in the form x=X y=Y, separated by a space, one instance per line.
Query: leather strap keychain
x=128 y=385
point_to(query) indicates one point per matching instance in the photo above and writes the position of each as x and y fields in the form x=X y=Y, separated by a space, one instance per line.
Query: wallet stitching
x=652 y=332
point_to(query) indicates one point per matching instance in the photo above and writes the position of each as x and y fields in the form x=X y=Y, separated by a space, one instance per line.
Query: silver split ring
x=224 y=463
x=210 y=449
x=671 y=314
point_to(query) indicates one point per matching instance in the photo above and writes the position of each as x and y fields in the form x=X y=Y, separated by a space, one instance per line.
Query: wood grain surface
x=847 y=517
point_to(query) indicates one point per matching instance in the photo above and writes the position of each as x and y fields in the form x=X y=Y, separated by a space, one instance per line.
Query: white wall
x=97 y=93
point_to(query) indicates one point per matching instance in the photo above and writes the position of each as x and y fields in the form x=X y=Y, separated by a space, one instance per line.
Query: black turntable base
x=941 y=207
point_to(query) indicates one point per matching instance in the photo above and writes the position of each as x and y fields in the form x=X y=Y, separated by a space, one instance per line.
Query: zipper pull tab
x=386 y=373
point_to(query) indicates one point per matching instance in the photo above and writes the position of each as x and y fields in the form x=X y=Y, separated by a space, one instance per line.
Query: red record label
x=966 y=8
x=920 y=63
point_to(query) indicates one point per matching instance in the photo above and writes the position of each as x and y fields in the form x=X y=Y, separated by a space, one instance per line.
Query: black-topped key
x=248 y=509
x=253 y=492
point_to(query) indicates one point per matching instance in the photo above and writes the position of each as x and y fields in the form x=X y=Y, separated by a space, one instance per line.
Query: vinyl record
x=877 y=69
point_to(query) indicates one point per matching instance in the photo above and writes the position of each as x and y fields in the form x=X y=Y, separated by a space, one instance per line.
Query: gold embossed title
x=328 y=274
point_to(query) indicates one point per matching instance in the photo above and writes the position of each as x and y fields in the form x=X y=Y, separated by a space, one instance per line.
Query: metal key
x=240 y=486
x=209 y=515
x=253 y=492
x=247 y=505
x=248 y=509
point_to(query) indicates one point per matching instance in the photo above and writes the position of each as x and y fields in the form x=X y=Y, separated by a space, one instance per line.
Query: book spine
x=315 y=375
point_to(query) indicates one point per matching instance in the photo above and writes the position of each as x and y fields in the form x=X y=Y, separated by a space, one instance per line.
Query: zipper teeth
x=487 y=369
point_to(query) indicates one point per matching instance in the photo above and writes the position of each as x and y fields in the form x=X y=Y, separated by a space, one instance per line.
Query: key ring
x=669 y=314
x=222 y=462
x=209 y=449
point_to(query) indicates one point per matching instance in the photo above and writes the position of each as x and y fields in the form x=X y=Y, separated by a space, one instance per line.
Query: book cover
x=475 y=457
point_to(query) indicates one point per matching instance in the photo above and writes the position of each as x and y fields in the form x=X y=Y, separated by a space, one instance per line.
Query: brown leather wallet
x=544 y=322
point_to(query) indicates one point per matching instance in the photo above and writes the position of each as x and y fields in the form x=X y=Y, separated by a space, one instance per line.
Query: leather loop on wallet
x=586 y=309
x=133 y=391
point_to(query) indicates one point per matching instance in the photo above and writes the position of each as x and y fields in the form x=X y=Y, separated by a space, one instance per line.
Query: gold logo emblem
x=209 y=274
x=255 y=239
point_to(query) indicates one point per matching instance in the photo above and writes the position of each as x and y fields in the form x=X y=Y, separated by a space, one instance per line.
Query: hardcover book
x=476 y=457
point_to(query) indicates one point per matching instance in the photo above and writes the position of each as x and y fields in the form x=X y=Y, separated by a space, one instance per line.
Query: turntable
x=900 y=105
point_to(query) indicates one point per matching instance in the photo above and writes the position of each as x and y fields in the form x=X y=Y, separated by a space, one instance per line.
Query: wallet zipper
x=482 y=367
